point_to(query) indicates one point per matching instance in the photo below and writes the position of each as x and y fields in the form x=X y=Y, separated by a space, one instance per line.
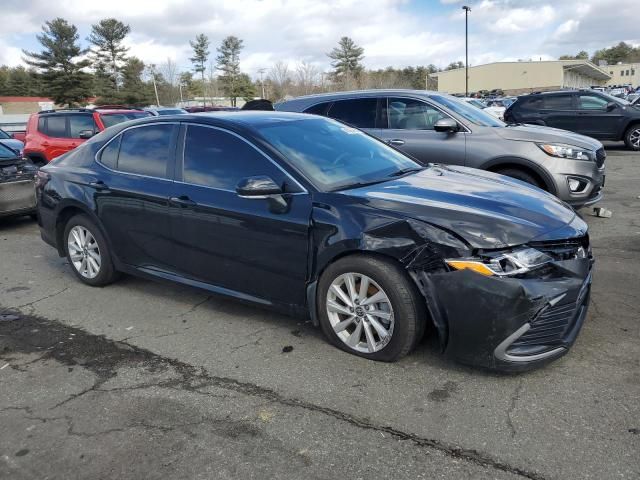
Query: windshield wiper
x=404 y=171
x=349 y=186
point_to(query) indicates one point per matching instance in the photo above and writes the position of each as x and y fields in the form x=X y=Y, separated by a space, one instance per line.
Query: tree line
x=69 y=74
x=622 y=52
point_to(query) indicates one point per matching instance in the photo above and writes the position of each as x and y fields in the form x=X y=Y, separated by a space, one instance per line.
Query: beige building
x=523 y=77
x=623 y=74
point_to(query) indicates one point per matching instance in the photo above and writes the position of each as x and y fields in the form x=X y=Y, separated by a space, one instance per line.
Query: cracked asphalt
x=150 y=380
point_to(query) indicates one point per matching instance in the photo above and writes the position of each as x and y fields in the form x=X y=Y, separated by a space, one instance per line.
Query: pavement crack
x=514 y=400
x=46 y=297
x=194 y=307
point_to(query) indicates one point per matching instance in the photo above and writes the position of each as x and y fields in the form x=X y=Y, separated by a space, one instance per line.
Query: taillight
x=42 y=178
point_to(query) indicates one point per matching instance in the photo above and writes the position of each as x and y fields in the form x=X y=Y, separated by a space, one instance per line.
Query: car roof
x=240 y=118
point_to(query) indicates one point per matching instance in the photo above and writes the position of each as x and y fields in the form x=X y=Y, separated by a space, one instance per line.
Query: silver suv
x=438 y=128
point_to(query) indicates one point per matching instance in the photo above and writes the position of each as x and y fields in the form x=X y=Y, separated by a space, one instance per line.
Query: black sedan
x=311 y=217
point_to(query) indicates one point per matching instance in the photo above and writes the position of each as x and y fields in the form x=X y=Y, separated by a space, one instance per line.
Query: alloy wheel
x=634 y=138
x=360 y=312
x=84 y=252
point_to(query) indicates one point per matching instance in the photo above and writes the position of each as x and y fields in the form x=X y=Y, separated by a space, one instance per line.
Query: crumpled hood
x=540 y=134
x=17 y=145
x=485 y=209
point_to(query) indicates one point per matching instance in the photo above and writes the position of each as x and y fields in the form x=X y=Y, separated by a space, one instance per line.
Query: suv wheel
x=632 y=137
x=521 y=175
x=369 y=307
x=87 y=252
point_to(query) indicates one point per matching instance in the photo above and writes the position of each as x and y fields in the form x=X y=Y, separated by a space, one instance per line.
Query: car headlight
x=565 y=151
x=504 y=263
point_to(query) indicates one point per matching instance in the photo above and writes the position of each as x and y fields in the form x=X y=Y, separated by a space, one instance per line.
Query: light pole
x=466 y=50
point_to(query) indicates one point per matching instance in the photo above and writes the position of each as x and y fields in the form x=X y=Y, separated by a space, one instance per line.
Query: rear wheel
x=521 y=175
x=632 y=137
x=87 y=252
x=369 y=307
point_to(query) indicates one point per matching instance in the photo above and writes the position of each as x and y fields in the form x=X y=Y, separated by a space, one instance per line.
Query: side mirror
x=259 y=186
x=448 y=125
x=611 y=106
x=86 y=134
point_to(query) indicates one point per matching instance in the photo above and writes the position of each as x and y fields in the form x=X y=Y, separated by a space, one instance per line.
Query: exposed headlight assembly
x=503 y=264
x=565 y=151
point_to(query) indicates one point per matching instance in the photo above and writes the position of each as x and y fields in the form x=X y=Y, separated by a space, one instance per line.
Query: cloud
x=393 y=32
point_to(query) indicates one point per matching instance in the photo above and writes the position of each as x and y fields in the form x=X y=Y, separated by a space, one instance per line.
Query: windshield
x=618 y=100
x=472 y=114
x=4 y=135
x=477 y=103
x=111 y=119
x=333 y=156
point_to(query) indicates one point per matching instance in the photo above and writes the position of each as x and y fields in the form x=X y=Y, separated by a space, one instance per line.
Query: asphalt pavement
x=150 y=380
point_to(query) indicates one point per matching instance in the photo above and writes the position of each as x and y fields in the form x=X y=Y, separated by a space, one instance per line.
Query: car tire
x=87 y=252
x=521 y=175
x=632 y=137
x=399 y=308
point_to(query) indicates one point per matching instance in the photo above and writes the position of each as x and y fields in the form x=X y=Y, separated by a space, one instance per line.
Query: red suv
x=51 y=133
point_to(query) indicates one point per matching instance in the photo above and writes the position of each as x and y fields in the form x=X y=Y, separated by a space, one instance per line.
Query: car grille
x=16 y=196
x=549 y=327
x=565 y=249
x=601 y=156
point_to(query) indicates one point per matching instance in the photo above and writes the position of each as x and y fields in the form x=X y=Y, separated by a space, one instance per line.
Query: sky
x=394 y=33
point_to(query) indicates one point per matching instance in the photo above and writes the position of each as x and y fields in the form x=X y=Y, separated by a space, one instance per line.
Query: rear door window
x=319 y=109
x=558 y=102
x=78 y=123
x=56 y=126
x=409 y=114
x=358 y=112
x=147 y=150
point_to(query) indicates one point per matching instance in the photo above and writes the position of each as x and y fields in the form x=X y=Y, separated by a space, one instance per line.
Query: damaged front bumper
x=505 y=323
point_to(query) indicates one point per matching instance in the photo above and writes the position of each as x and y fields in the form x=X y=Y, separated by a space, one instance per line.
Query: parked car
x=8 y=140
x=157 y=111
x=504 y=102
x=312 y=217
x=51 y=133
x=588 y=112
x=434 y=127
x=17 y=195
x=496 y=111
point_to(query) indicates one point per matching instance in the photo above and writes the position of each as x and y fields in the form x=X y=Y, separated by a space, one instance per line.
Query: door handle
x=99 y=185
x=182 y=201
x=396 y=142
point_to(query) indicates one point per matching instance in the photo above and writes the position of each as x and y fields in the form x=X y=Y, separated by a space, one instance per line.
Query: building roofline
x=563 y=62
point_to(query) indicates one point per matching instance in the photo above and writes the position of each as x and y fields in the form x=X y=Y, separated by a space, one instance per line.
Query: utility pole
x=466 y=50
x=261 y=72
x=152 y=69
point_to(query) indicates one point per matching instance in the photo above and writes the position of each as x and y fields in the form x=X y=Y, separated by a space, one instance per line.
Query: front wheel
x=87 y=252
x=520 y=175
x=632 y=137
x=369 y=307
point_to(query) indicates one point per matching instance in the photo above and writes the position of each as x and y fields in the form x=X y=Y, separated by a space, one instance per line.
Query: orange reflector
x=477 y=267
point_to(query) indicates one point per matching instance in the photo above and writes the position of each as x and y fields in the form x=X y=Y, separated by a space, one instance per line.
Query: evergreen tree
x=108 y=53
x=200 y=56
x=233 y=83
x=58 y=62
x=135 y=91
x=346 y=60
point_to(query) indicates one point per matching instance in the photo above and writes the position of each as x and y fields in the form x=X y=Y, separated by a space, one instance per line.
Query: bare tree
x=280 y=80
x=306 y=77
